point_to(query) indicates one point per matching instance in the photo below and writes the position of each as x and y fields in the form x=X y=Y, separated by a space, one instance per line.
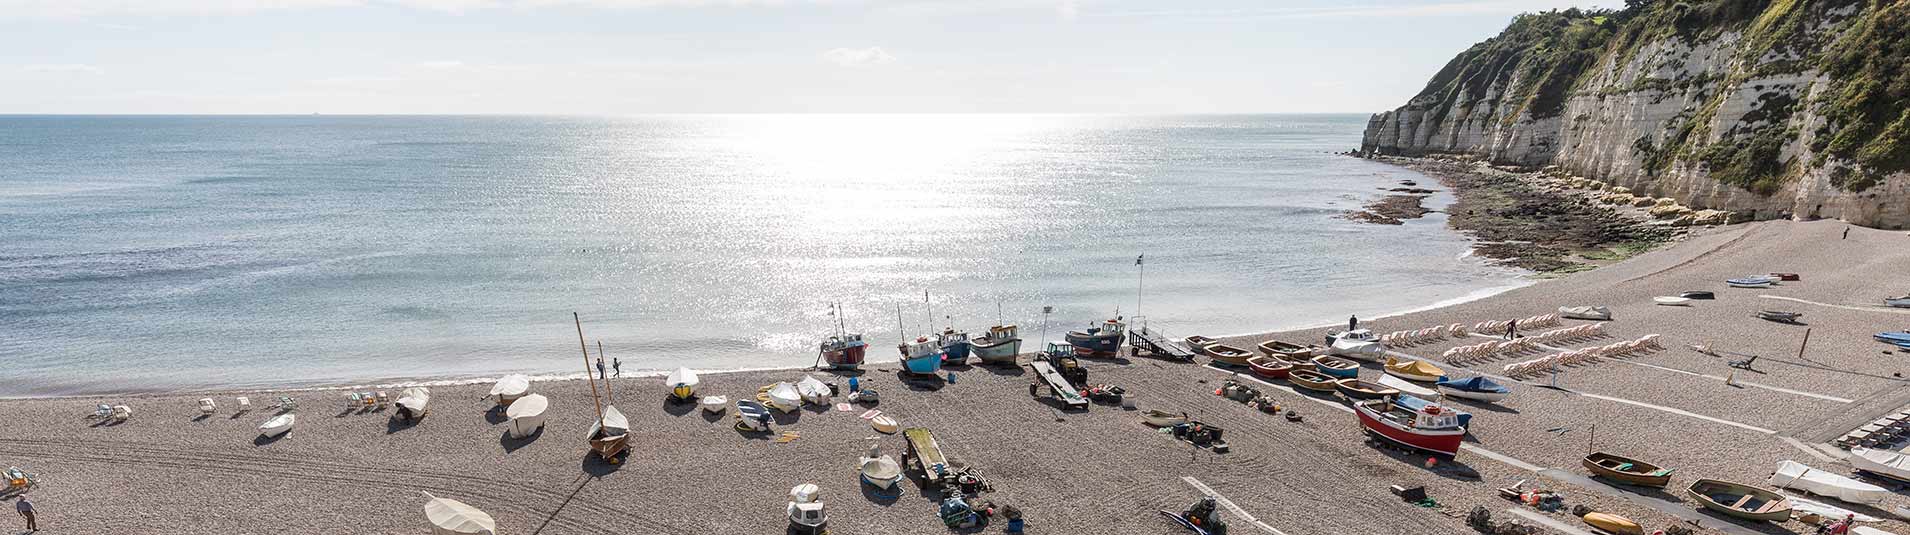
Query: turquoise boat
x=922 y=356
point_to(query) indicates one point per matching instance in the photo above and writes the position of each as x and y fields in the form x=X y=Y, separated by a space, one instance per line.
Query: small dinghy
x=1626 y=470
x=509 y=388
x=1475 y=388
x=715 y=404
x=682 y=384
x=1289 y=351
x=1779 y=316
x=1586 y=313
x=1163 y=418
x=1898 y=302
x=752 y=416
x=879 y=470
x=1698 y=295
x=1414 y=370
x=884 y=424
x=1336 y=367
x=1358 y=389
x=1741 y=500
x=1269 y=367
x=527 y=414
x=813 y=390
x=1669 y=301
x=1751 y=282
x=781 y=396
x=452 y=517
x=610 y=435
x=1312 y=380
x=1610 y=523
x=278 y=425
x=413 y=403
x=1225 y=354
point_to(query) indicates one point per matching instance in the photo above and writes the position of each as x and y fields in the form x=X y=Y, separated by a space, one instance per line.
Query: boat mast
x=900 y=331
x=593 y=382
x=928 y=314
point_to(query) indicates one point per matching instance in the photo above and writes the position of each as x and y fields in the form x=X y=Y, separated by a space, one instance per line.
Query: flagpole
x=1138 y=287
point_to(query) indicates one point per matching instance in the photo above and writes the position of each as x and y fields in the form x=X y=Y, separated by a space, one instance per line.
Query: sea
x=180 y=253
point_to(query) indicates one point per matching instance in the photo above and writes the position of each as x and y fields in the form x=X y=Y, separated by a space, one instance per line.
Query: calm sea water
x=161 y=253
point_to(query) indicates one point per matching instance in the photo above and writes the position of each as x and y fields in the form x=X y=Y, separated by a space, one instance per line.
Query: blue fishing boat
x=955 y=346
x=1751 y=282
x=922 y=356
x=1104 y=340
x=1475 y=388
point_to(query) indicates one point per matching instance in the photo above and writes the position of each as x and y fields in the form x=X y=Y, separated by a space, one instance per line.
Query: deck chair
x=207 y=406
x=354 y=400
x=122 y=413
x=101 y=412
x=381 y=399
x=245 y=404
x=285 y=403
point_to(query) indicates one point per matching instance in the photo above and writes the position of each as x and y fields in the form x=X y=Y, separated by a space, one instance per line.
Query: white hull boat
x=1884 y=463
x=278 y=425
x=715 y=404
x=813 y=390
x=527 y=414
x=452 y=517
x=880 y=470
x=1593 y=313
x=783 y=397
x=416 y=399
x=509 y=388
x=682 y=384
x=1357 y=344
x=1666 y=300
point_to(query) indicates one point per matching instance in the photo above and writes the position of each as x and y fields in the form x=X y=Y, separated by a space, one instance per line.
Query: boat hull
x=1094 y=344
x=1414 y=376
x=1268 y=367
x=1472 y=395
x=609 y=448
x=930 y=364
x=956 y=353
x=1336 y=368
x=1357 y=389
x=1316 y=382
x=1003 y=352
x=1443 y=442
x=1899 y=303
x=1591 y=464
x=847 y=358
x=1704 y=489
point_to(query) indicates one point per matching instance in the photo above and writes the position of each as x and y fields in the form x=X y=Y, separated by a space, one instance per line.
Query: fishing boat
x=1899 y=337
x=1614 y=524
x=278 y=425
x=922 y=356
x=1000 y=346
x=1798 y=476
x=1288 y=351
x=955 y=346
x=1884 y=463
x=1158 y=418
x=879 y=470
x=1412 y=402
x=682 y=383
x=1594 y=313
x=843 y=350
x=1626 y=470
x=1359 y=389
x=1226 y=354
x=1431 y=429
x=1899 y=302
x=1104 y=340
x=1474 y=388
x=1358 y=344
x=509 y=388
x=1780 y=316
x=1269 y=367
x=1336 y=367
x=1669 y=301
x=1741 y=500
x=1414 y=370
x=1312 y=380
x=527 y=415
x=1751 y=282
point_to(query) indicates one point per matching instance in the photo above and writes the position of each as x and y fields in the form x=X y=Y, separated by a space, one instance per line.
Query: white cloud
x=859 y=57
x=69 y=68
x=1069 y=10
x=441 y=65
x=1464 y=7
x=68 y=9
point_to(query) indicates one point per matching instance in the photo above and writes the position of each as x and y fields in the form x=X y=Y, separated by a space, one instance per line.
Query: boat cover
x=1416 y=367
x=784 y=397
x=512 y=385
x=1807 y=505
x=452 y=517
x=1587 y=313
x=1474 y=384
x=531 y=406
x=681 y=377
x=415 y=398
x=613 y=422
x=1894 y=337
x=1414 y=404
x=1409 y=388
x=1881 y=462
x=1795 y=475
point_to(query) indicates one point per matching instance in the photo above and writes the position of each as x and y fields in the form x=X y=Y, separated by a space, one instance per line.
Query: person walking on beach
x=616 y=363
x=26 y=511
x=1512 y=330
x=600 y=369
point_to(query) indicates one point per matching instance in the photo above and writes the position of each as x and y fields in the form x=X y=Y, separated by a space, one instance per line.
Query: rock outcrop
x=1764 y=108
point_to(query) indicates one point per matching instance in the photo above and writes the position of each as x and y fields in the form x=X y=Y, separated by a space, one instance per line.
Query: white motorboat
x=1751 y=282
x=884 y=424
x=452 y=517
x=813 y=390
x=278 y=425
x=527 y=414
x=510 y=387
x=880 y=470
x=806 y=512
x=1358 y=344
x=782 y=396
x=715 y=404
x=1666 y=300
x=682 y=384
x=1795 y=475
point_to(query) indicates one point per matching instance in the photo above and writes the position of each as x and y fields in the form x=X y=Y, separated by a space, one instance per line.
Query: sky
x=618 y=57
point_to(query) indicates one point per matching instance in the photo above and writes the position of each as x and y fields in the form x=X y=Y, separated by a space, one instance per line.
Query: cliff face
x=1768 y=108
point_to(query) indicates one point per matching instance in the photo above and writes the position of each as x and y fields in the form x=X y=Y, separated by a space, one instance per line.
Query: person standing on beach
x=600 y=369
x=1352 y=322
x=1512 y=330
x=26 y=511
x=616 y=363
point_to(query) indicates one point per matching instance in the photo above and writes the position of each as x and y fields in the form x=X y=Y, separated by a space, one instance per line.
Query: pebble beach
x=169 y=470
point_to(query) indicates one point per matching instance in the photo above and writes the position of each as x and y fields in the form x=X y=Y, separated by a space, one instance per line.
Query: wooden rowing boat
x=1627 y=470
x=1269 y=367
x=1196 y=342
x=1336 y=367
x=1359 y=389
x=1741 y=500
x=1312 y=380
x=1288 y=350
x=1226 y=354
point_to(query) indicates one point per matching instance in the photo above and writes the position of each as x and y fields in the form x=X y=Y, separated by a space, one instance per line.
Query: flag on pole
x=1045 y=310
x=1137 y=259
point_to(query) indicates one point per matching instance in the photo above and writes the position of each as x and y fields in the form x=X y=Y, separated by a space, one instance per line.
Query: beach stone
x=1621 y=189
x=1711 y=217
x=1643 y=202
x=1669 y=211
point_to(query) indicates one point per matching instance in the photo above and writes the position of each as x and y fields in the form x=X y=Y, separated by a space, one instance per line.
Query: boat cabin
x=951 y=336
x=1359 y=335
x=1113 y=327
x=839 y=341
x=922 y=347
x=1002 y=332
x=1428 y=416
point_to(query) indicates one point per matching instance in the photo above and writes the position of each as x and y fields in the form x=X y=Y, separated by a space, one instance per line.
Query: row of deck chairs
x=281 y=403
x=367 y=400
x=111 y=413
x=1878 y=432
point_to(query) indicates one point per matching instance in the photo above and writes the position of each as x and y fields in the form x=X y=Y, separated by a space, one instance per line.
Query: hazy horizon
x=656 y=57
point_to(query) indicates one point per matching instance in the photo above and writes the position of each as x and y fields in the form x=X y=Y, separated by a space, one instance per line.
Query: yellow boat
x=1414 y=370
x=1610 y=523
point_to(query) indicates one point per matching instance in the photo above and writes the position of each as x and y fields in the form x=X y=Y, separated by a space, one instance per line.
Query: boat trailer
x=1058 y=385
x=1156 y=344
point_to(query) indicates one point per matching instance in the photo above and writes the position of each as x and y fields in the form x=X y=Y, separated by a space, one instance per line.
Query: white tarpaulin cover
x=452 y=517
x=511 y=386
x=813 y=390
x=1881 y=462
x=415 y=398
x=1407 y=387
x=1586 y=313
x=1795 y=475
x=1806 y=505
x=783 y=397
x=527 y=414
x=682 y=376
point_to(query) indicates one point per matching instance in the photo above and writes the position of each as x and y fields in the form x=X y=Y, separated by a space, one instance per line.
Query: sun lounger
x=245 y=405
x=122 y=413
x=101 y=412
x=206 y=406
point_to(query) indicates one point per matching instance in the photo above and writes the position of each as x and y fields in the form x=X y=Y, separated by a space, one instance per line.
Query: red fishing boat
x=1269 y=367
x=1431 y=428
x=842 y=350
